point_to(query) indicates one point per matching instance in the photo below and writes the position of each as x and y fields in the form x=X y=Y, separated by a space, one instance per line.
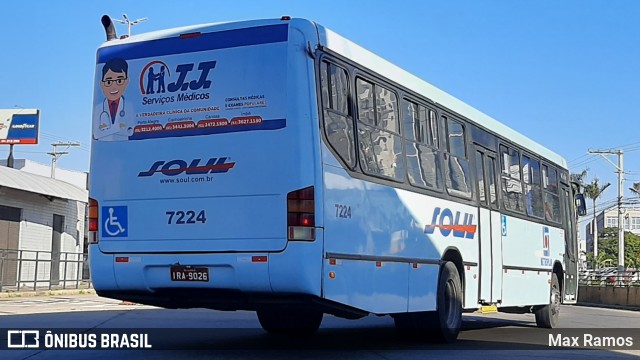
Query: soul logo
x=460 y=224
x=177 y=167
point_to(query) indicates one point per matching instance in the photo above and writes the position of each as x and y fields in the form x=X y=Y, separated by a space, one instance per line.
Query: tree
x=604 y=258
x=609 y=247
x=593 y=191
x=579 y=178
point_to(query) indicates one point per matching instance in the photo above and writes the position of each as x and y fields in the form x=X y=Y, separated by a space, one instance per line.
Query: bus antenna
x=129 y=23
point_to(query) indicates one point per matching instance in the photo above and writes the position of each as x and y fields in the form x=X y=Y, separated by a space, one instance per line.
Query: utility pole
x=56 y=154
x=620 y=170
x=10 y=158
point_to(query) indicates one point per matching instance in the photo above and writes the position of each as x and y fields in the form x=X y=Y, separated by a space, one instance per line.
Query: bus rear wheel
x=442 y=325
x=290 y=321
x=547 y=316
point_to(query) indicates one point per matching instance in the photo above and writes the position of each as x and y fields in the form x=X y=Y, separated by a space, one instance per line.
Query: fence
x=611 y=278
x=26 y=270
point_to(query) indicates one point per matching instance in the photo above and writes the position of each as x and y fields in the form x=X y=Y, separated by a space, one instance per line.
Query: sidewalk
x=11 y=292
x=53 y=292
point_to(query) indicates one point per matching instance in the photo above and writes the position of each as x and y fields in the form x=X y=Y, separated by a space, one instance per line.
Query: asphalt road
x=201 y=333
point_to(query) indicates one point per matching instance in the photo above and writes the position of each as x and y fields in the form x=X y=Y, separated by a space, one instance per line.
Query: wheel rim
x=555 y=301
x=450 y=304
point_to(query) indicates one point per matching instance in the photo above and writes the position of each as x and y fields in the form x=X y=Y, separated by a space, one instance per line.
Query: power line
x=54 y=136
x=579 y=157
x=26 y=151
x=61 y=139
x=603 y=206
x=584 y=162
x=627 y=145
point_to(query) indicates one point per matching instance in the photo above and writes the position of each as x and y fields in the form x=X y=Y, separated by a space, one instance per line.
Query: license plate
x=189 y=273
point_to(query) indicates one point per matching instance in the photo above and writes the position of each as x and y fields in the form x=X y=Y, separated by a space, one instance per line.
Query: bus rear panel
x=202 y=167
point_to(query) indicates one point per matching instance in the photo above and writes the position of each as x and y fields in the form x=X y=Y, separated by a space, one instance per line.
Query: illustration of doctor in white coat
x=112 y=112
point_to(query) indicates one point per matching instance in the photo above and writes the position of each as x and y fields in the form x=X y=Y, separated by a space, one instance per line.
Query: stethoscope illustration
x=105 y=116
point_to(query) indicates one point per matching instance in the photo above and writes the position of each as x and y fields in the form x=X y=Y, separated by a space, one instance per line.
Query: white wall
x=36 y=231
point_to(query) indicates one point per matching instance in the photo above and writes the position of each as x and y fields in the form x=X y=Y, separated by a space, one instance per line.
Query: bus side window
x=511 y=185
x=458 y=178
x=551 y=197
x=338 y=124
x=491 y=173
x=423 y=161
x=365 y=100
x=433 y=128
x=533 y=193
x=380 y=144
x=482 y=196
x=387 y=109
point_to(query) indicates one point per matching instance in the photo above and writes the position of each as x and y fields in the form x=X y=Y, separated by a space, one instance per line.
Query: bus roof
x=366 y=58
x=360 y=55
x=204 y=28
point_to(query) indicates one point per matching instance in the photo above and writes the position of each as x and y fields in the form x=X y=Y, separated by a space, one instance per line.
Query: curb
x=38 y=293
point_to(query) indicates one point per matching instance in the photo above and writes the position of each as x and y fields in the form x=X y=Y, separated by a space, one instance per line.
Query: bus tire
x=290 y=321
x=442 y=325
x=448 y=315
x=547 y=316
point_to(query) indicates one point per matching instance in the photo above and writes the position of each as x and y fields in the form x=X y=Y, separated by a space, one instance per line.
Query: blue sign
x=504 y=225
x=115 y=221
x=19 y=126
x=545 y=241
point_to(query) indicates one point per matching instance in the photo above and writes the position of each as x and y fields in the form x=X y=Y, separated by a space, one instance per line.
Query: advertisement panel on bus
x=180 y=86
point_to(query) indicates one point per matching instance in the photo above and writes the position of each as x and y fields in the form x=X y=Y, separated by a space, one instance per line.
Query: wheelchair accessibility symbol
x=115 y=221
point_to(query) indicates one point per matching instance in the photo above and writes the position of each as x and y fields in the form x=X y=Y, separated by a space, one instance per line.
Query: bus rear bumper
x=150 y=272
x=235 y=281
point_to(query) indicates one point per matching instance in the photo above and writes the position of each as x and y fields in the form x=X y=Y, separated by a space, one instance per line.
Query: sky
x=563 y=73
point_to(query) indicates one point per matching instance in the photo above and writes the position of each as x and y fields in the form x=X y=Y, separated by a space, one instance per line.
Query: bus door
x=571 y=248
x=490 y=289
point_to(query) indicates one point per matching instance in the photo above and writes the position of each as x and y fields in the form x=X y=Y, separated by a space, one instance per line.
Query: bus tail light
x=93 y=221
x=301 y=215
x=190 y=35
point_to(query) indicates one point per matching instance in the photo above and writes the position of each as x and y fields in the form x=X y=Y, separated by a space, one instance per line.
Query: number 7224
x=186 y=217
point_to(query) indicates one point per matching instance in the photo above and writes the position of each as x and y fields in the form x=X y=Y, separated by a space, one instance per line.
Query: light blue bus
x=277 y=167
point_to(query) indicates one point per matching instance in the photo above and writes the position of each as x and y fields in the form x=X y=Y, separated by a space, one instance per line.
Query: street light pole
x=620 y=214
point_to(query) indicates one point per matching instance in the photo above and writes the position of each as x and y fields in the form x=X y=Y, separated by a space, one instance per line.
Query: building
x=76 y=178
x=582 y=251
x=608 y=218
x=42 y=227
